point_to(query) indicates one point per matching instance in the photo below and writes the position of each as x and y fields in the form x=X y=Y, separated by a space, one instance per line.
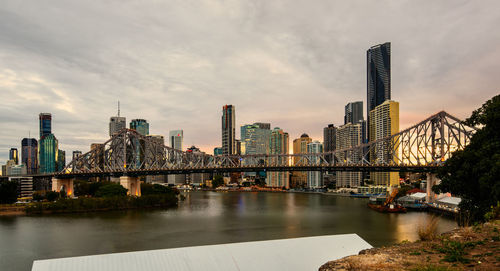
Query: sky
x=294 y=64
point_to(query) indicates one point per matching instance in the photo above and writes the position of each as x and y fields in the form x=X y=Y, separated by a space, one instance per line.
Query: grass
x=455 y=251
x=428 y=230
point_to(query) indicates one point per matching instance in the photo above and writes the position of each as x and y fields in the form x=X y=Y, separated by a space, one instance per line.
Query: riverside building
x=314 y=178
x=278 y=144
x=299 y=178
x=384 y=122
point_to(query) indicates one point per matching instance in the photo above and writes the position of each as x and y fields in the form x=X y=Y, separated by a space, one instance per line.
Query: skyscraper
x=348 y=136
x=117 y=123
x=255 y=139
x=278 y=144
x=45 y=124
x=217 y=151
x=314 y=178
x=329 y=137
x=384 y=122
x=176 y=139
x=48 y=153
x=29 y=154
x=378 y=61
x=61 y=160
x=299 y=178
x=228 y=130
x=353 y=112
x=140 y=125
x=14 y=155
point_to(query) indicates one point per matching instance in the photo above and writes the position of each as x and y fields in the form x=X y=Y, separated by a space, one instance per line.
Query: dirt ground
x=471 y=248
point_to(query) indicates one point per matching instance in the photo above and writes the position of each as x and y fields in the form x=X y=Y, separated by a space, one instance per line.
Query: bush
x=8 y=192
x=155 y=189
x=52 y=195
x=428 y=231
x=38 y=196
x=109 y=189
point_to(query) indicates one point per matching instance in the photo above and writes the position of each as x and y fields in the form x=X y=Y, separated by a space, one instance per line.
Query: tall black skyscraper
x=228 y=130
x=378 y=60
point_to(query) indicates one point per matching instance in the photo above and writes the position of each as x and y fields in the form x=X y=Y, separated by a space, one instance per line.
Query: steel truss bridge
x=421 y=148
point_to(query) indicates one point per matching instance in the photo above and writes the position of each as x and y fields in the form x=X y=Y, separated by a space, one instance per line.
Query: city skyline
x=80 y=85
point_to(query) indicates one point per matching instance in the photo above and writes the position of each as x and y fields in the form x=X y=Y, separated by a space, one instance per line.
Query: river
x=203 y=218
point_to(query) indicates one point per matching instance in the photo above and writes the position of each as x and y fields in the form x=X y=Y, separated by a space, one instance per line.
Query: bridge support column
x=132 y=184
x=63 y=184
x=431 y=181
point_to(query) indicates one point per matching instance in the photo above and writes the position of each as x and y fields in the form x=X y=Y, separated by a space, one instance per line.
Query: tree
x=473 y=173
x=109 y=189
x=52 y=195
x=82 y=188
x=156 y=189
x=217 y=181
x=8 y=192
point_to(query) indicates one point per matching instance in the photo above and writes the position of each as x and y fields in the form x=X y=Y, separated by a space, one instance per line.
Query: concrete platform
x=307 y=253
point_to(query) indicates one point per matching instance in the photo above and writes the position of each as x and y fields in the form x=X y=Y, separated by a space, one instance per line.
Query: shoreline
x=469 y=248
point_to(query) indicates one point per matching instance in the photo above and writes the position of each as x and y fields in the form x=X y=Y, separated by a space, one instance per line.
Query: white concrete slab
x=307 y=253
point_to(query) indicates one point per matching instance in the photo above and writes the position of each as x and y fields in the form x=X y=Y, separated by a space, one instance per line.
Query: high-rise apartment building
x=140 y=125
x=61 y=160
x=314 y=178
x=116 y=124
x=299 y=178
x=14 y=155
x=29 y=154
x=348 y=136
x=378 y=61
x=45 y=124
x=278 y=144
x=228 y=130
x=48 y=147
x=384 y=122
x=176 y=138
x=353 y=112
x=255 y=139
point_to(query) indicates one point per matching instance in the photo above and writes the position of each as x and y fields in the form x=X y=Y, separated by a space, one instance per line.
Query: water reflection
x=202 y=218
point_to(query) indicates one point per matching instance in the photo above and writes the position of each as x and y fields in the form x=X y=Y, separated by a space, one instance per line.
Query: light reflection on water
x=203 y=218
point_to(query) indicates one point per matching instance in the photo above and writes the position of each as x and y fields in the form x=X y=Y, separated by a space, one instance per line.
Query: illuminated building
x=384 y=122
x=299 y=178
x=29 y=155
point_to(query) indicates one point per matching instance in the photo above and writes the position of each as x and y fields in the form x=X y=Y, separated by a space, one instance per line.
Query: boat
x=386 y=205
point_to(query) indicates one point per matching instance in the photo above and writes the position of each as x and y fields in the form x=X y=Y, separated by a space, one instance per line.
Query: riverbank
x=471 y=248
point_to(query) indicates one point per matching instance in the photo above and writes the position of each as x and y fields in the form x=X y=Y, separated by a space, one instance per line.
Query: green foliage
x=473 y=174
x=38 y=196
x=217 y=181
x=109 y=189
x=493 y=213
x=156 y=189
x=455 y=251
x=86 y=204
x=8 y=192
x=52 y=195
x=403 y=190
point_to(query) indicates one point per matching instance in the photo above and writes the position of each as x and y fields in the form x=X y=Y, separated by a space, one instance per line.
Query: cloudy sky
x=294 y=64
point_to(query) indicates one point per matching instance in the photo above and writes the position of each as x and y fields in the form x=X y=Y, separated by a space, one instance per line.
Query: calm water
x=203 y=218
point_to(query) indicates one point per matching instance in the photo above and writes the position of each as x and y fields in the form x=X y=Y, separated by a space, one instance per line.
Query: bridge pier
x=431 y=181
x=132 y=184
x=63 y=184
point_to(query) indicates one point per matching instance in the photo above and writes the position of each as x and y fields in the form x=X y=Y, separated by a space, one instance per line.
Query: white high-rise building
x=176 y=137
x=116 y=124
x=348 y=136
x=314 y=178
